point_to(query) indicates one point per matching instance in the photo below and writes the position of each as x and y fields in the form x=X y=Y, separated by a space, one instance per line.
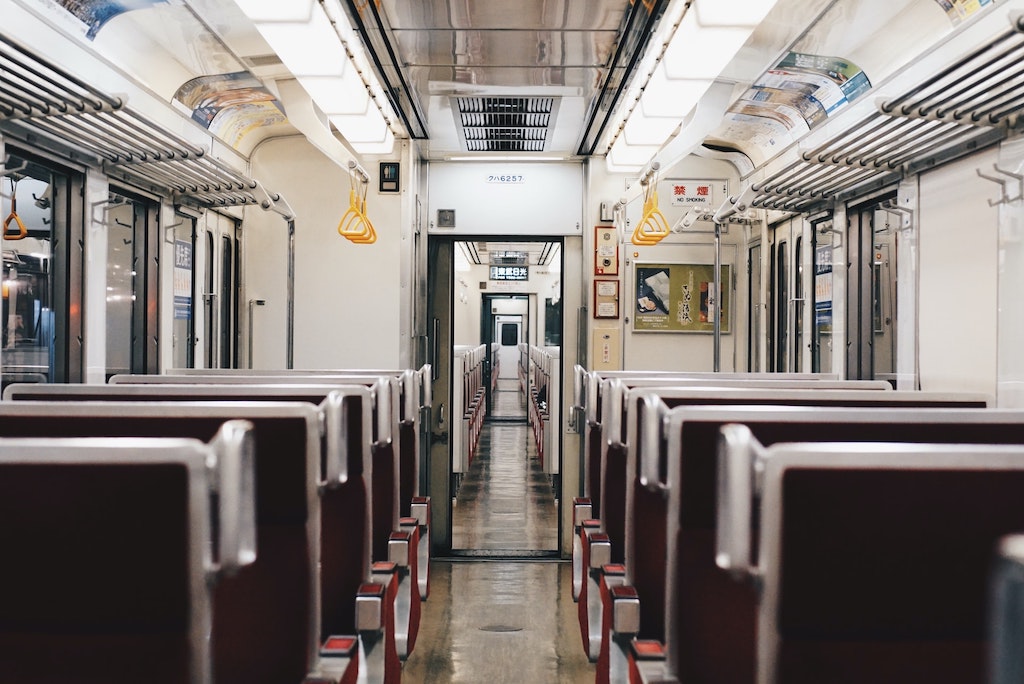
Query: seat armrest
x=582 y=509
x=339 y=662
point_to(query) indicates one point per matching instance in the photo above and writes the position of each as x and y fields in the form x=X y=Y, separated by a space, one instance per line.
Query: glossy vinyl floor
x=498 y=616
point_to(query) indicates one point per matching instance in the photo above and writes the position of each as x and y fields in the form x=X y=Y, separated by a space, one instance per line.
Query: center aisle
x=491 y=619
x=498 y=622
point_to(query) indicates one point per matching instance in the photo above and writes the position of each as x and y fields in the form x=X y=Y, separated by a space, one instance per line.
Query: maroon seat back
x=94 y=585
x=263 y=616
x=714 y=615
x=884 y=572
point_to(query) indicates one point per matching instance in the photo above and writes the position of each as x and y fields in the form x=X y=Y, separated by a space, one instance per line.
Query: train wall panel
x=1011 y=281
x=347 y=296
x=958 y=278
x=489 y=198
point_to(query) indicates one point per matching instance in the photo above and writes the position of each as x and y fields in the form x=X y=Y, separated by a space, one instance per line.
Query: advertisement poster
x=182 y=280
x=95 y=13
x=823 y=288
x=230 y=105
x=958 y=10
x=680 y=298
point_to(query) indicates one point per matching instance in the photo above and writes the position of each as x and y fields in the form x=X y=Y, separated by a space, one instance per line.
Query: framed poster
x=680 y=298
x=606 y=299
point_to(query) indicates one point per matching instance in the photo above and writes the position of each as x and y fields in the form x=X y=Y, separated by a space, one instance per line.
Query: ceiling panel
x=531 y=48
x=502 y=48
x=568 y=15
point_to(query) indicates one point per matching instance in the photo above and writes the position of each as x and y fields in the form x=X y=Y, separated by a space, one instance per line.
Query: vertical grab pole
x=718 y=297
x=291 y=295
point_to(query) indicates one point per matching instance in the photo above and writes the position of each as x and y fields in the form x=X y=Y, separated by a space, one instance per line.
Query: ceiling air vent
x=504 y=124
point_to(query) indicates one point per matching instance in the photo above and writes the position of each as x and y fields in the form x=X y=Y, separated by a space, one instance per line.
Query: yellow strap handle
x=13 y=216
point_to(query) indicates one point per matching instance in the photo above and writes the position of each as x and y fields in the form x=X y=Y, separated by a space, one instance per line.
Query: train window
x=121 y=226
x=209 y=300
x=228 y=301
x=782 y=309
x=798 y=303
x=754 y=313
x=131 y=283
x=183 y=338
x=28 y=307
x=821 y=350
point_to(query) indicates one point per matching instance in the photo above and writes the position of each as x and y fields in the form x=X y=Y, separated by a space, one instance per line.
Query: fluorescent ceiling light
x=307 y=41
x=276 y=10
x=509 y=158
x=733 y=12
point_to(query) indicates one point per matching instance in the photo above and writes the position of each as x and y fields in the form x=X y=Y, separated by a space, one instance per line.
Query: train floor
x=501 y=611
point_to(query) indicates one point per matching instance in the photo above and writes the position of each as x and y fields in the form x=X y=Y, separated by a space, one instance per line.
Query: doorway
x=494 y=299
x=506 y=320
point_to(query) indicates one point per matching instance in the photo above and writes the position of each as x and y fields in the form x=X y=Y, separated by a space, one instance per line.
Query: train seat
x=274 y=639
x=875 y=558
x=709 y=620
x=363 y=435
x=111 y=550
x=633 y=512
x=410 y=395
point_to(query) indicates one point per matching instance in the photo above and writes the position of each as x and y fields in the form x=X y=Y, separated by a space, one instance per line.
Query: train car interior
x=604 y=320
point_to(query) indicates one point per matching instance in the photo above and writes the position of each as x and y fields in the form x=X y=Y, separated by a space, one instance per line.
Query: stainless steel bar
x=857 y=177
x=148 y=130
x=981 y=111
x=971 y=73
x=908 y=147
x=901 y=100
x=961 y=135
x=74 y=136
x=880 y=152
x=21 y=53
x=1001 y=74
x=164 y=134
x=30 y=102
x=888 y=128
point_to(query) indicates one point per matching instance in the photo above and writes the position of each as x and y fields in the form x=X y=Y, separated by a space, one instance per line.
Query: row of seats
x=340 y=534
x=470 y=402
x=647 y=578
x=539 y=380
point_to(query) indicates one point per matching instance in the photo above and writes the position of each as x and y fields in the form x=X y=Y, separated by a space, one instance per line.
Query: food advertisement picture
x=680 y=298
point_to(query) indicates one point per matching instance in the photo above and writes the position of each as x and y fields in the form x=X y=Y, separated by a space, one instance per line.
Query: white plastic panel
x=958 y=277
x=507 y=198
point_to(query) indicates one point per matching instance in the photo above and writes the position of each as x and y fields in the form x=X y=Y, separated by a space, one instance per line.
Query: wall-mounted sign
x=606 y=299
x=389 y=177
x=681 y=298
x=182 y=280
x=606 y=251
x=506 y=178
x=510 y=273
x=688 y=192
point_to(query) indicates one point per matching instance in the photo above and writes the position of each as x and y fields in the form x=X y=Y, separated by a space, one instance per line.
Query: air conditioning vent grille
x=504 y=124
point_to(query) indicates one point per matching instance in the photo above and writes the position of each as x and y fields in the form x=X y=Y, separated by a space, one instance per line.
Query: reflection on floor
x=505 y=502
x=508 y=618
x=499 y=623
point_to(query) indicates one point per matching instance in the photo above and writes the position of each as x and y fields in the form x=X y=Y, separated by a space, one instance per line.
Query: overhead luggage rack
x=972 y=103
x=48 y=103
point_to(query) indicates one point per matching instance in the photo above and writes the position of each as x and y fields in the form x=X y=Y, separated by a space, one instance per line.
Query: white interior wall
x=507 y=199
x=1011 y=283
x=958 y=288
x=348 y=297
